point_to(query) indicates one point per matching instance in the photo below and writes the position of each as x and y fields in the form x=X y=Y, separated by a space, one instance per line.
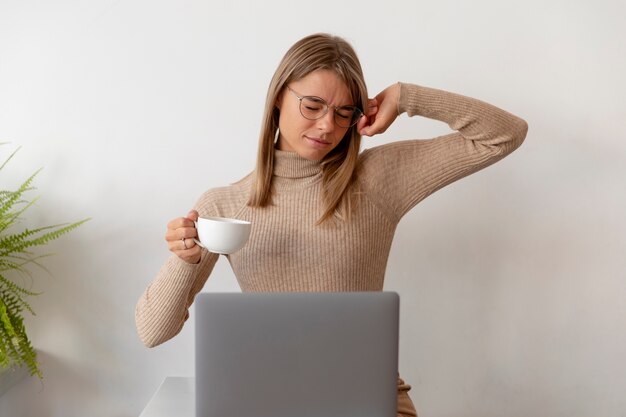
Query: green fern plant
x=15 y=259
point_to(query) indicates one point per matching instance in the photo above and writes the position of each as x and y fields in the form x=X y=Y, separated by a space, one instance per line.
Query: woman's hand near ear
x=381 y=112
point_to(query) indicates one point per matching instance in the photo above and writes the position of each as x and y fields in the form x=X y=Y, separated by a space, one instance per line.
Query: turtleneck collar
x=292 y=165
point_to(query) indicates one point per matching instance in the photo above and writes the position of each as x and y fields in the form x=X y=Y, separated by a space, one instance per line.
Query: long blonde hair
x=314 y=52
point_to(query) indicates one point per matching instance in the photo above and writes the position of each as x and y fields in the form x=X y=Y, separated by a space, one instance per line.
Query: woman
x=323 y=214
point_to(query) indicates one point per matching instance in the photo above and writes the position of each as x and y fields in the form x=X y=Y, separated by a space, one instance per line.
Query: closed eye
x=313 y=103
x=346 y=112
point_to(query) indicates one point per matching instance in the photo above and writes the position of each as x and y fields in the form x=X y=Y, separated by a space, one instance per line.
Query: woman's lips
x=321 y=143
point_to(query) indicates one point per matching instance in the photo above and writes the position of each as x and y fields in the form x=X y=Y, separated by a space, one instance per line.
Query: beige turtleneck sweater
x=287 y=251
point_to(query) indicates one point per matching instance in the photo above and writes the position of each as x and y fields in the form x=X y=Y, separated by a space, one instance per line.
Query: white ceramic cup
x=222 y=235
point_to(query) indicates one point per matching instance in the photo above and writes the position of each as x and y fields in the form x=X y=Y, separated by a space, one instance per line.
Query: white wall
x=512 y=281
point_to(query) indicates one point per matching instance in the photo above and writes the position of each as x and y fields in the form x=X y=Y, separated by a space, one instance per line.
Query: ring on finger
x=184 y=243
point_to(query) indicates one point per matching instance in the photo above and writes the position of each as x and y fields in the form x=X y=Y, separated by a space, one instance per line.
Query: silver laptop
x=296 y=354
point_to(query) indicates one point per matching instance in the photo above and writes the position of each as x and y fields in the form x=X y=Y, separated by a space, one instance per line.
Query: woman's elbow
x=151 y=333
x=153 y=339
x=148 y=338
x=519 y=132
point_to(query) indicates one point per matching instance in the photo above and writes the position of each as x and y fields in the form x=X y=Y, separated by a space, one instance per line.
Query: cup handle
x=197 y=241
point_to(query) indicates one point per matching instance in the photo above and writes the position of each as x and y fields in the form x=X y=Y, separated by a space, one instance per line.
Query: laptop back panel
x=296 y=354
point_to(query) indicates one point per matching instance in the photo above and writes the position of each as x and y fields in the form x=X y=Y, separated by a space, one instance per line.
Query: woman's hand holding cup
x=180 y=236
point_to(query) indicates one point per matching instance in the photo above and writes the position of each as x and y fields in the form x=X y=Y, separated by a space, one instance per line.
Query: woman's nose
x=327 y=122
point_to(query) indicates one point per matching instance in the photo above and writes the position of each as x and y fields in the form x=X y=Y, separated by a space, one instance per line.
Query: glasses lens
x=347 y=116
x=312 y=107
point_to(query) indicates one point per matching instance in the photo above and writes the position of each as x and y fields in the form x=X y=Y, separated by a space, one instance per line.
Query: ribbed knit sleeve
x=399 y=175
x=163 y=308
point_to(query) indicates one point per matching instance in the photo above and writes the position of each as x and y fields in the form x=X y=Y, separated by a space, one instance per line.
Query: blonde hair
x=314 y=52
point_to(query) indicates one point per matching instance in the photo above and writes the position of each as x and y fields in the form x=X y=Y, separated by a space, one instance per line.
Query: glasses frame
x=357 y=112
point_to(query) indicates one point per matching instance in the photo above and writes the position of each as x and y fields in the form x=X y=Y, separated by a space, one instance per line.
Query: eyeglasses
x=314 y=108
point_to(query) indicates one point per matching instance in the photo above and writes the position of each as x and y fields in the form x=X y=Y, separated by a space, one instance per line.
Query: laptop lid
x=296 y=354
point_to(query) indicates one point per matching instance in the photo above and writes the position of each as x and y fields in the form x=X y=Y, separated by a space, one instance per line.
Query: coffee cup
x=222 y=235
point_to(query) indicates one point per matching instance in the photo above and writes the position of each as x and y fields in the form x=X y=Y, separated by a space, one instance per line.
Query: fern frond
x=15 y=288
x=9 y=283
x=15 y=302
x=18 y=243
x=10 y=218
x=23 y=262
x=15 y=343
x=6 y=161
x=8 y=204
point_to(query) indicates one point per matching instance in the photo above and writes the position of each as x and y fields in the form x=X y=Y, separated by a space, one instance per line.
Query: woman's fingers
x=181 y=233
x=183 y=242
x=182 y=227
x=384 y=113
x=179 y=222
x=363 y=121
x=368 y=116
x=180 y=236
x=191 y=255
x=185 y=248
x=372 y=107
x=193 y=215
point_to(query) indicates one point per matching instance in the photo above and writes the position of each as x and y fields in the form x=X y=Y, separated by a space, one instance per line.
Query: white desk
x=174 y=398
